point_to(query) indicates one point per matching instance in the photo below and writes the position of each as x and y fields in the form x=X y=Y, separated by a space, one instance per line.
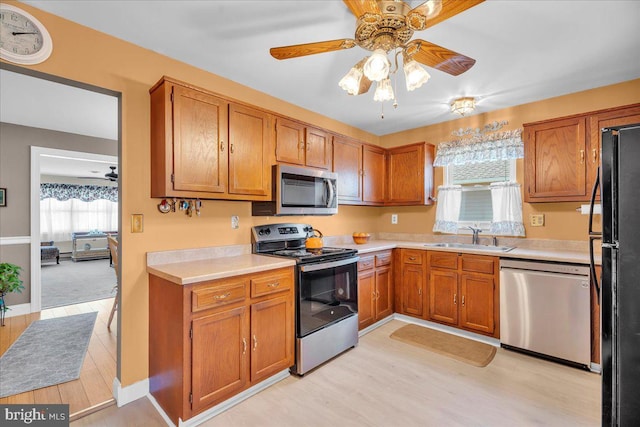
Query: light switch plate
x=537 y=220
x=137 y=223
x=235 y=221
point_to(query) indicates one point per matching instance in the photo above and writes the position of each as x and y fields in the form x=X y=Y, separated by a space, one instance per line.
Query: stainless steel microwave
x=300 y=191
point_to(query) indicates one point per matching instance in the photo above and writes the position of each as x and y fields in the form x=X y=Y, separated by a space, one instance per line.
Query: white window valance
x=493 y=146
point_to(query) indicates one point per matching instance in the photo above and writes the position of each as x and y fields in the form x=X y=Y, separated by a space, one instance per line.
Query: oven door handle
x=326 y=265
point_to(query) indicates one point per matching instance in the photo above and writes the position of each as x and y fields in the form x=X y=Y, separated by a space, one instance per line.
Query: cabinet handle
x=412 y=258
x=223 y=296
x=308 y=147
x=594 y=155
x=463 y=300
x=274 y=285
x=301 y=145
x=581 y=157
x=244 y=346
x=221 y=145
x=231 y=148
x=419 y=291
x=455 y=299
x=255 y=343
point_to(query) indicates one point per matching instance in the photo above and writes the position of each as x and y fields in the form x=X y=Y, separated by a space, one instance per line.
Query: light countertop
x=194 y=271
x=540 y=254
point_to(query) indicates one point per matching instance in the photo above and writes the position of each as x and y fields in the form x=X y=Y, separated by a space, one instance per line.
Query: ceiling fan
x=385 y=26
x=109 y=176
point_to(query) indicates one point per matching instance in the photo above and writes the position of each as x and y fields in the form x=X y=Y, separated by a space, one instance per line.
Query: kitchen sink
x=470 y=246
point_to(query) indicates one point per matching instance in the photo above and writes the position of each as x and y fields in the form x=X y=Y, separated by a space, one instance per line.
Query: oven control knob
x=267 y=231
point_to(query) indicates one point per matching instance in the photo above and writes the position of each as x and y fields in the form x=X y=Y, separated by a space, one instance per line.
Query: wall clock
x=23 y=39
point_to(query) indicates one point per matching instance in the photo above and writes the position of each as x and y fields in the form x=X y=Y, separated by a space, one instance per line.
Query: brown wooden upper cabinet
x=204 y=146
x=562 y=155
x=299 y=144
x=410 y=174
x=361 y=172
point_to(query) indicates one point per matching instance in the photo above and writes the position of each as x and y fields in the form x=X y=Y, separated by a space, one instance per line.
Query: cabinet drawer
x=443 y=260
x=479 y=264
x=220 y=295
x=383 y=259
x=271 y=284
x=410 y=256
x=366 y=263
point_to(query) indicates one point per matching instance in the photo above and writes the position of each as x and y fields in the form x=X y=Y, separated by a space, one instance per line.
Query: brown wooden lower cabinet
x=411 y=283
x=463 y=291
x=211 y=340
x=375 y=288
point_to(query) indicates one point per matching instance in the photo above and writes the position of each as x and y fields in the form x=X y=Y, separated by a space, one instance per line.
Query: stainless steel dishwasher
x=545 y=309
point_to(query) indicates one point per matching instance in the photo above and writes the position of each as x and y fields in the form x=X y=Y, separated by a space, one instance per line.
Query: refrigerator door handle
x=594 y=235
x=592 y=266
x=596 y=185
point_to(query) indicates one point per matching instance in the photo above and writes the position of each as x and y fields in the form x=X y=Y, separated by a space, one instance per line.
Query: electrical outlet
x=235 y=221
x=394 y=218
x=137 y=223
x=536 y=220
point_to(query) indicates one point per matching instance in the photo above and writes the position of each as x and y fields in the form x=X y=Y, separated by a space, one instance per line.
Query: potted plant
x=9 y=282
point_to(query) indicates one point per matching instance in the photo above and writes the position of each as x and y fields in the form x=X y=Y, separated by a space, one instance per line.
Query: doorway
x=39 y=99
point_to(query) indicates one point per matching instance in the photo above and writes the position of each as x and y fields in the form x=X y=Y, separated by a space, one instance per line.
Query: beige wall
x=561 y=219
x=89 y=56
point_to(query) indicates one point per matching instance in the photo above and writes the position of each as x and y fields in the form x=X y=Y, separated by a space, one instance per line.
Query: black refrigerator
x=620 y=283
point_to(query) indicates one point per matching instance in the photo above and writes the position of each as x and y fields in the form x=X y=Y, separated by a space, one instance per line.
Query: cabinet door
x=374 y=174
x=410 y=175
x=412 y=290
x=219 y=352
x=366 y=298
x=476 y=302
x=289 y=141
x=443 y=296
x=249 y=148
x=556 y=160
x=618 y=117
x=318 y=148
x=199 y=141
x=271 y=337
x=347 y=162
x=384 y=293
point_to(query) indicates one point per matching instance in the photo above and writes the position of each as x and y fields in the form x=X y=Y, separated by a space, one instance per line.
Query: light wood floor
x=384 y=382
x=93 y=389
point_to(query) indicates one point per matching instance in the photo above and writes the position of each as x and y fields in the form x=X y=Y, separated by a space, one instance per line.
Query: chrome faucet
x=476 y=231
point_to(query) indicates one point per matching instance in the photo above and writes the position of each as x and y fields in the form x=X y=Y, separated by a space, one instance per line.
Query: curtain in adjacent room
x=448 y=209
x=67 y=209
x=507 y=209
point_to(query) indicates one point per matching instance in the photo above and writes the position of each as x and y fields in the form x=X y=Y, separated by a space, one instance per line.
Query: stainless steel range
x=326 y=292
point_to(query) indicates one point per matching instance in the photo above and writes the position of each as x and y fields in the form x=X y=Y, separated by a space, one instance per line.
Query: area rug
x=48 y=352
x=76 y=282
x=459 y=348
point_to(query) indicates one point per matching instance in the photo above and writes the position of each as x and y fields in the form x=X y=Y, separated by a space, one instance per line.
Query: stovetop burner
x=309 y=253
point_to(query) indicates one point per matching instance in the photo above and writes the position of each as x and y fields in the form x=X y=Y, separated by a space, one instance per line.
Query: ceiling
x=525 y=50
x=78 y=165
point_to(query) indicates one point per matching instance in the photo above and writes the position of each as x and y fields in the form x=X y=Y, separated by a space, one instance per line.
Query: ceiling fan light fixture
x=384 y=92
x=377 y=66
x=463 y=105
x=414 y=74
x=351 y=81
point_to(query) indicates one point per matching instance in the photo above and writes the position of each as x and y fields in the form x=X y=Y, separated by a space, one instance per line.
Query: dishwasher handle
x=585 y=275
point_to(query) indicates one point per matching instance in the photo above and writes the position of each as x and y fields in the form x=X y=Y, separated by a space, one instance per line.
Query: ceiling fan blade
x=294 y=51
x=439 y=57
x=360 y=7
x=433 y=12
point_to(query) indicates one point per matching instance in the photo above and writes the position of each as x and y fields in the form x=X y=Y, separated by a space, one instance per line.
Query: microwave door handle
x=332 y=193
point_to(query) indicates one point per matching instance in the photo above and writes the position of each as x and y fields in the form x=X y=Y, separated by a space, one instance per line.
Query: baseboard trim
x=18 y=310
x=224 y=406
x=128 y=394
x=453 y=331
x=376 y=325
